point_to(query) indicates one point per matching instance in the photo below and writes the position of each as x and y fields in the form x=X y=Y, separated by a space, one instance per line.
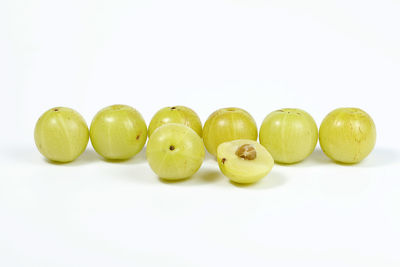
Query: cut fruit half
x=244 y=161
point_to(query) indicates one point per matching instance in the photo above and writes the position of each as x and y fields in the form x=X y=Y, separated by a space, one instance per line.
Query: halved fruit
x=244 y=161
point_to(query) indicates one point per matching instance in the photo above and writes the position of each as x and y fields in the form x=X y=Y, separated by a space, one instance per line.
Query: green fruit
x=118 y=132
x=347 y=135
x=244 y=161
x=175 y=151
x=290 y=135
x=61 y=134
x=176 y=114
x=228 y=124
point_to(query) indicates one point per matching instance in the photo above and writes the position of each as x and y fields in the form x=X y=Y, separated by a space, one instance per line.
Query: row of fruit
x=175 y=149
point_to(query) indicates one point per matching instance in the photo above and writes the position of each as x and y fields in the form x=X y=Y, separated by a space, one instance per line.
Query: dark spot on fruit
x=171 y=148
x=223 y=160
x=137 y=137
x=56 y=109
x=173 y=108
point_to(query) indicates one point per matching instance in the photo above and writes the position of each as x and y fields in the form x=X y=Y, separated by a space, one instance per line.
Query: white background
x=254 y=54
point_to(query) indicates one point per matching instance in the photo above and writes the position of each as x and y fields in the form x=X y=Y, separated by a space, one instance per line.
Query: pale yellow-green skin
x=290 y=135
x=241 y=170
x=176 y=114
x=61 y=134
x=347 y=135
x=185 y=158
x=118 y=132
x=228 y=124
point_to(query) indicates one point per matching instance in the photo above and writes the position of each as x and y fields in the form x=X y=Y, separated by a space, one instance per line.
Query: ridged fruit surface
x=228 y=124
x=118 y=132
x=175 y=151
x=61 y=134
x=290 y=135
x=347 y=135
x=176 y=114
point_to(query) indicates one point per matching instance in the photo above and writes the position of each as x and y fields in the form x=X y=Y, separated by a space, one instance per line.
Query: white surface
x=254 y=54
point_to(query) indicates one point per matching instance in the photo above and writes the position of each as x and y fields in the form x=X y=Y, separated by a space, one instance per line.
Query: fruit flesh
x=244 y=161
x=175 y=151
x=290 y=135
x=347 y=135
x=228 y=124
x=176 y=114
x=118 y=132
x=61 y=134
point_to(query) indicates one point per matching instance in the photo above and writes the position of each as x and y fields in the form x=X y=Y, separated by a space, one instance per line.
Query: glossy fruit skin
x=61 y=134
x=241 y=170
x=347 y=135
x=228 y=124
x=175 y=151
x=176 y=114
x=118 y=132
x=290 y=135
